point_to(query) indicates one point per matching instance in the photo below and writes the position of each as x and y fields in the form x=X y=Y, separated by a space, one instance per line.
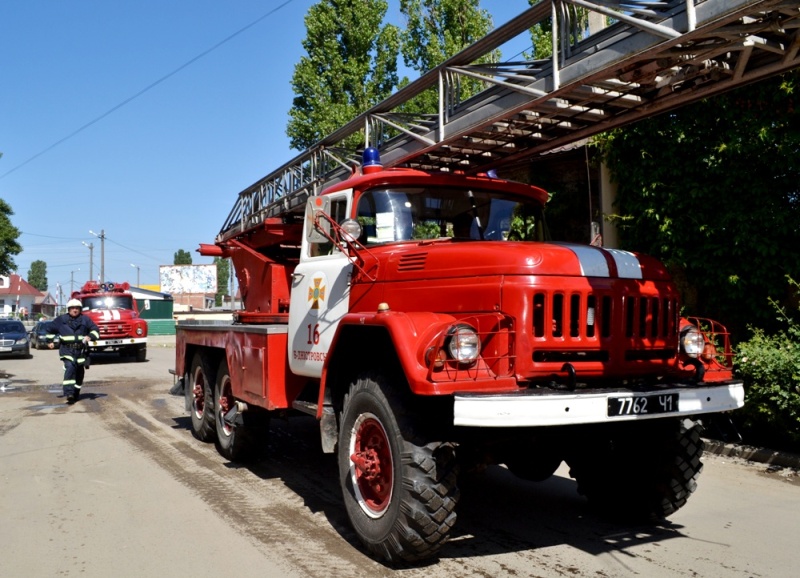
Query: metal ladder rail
x=308 y=172
x=601 y=72
x=599 y=90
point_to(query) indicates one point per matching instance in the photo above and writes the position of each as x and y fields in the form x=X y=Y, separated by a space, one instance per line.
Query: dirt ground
x=116 y=485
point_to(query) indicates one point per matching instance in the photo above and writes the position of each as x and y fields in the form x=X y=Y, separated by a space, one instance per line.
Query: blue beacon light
x=371 y=160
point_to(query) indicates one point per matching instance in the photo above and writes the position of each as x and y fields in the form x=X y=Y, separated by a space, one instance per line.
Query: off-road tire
x=201 y=399
x=643 y=472
x=408 y=518
x=235 y=443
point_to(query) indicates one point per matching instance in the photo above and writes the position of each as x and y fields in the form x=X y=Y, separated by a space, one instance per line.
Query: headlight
x=22 y=341
x=139 y=331
x=463 y=343
x=692 y=342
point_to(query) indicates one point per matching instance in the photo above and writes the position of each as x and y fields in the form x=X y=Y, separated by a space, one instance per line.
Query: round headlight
x=139 y=331
x=692 y=342
x=463 y=344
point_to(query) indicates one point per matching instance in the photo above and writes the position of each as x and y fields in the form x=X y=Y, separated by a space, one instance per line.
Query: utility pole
x=91 y=259
x=102 y=237
x=137 y=273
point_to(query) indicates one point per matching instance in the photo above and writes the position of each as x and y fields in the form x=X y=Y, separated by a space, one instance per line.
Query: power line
x=147 y=88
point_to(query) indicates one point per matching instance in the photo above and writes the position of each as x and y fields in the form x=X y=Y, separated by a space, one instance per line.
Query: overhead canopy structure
x=656 y=56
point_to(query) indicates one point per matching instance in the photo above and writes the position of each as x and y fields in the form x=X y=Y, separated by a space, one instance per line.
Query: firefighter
x=75 y=331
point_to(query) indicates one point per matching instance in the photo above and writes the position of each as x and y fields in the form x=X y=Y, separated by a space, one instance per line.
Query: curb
x=753 y=454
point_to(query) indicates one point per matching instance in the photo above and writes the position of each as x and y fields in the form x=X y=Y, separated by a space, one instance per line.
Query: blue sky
x=130 y=118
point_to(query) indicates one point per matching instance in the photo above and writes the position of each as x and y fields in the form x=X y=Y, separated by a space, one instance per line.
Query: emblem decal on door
x=316 y=293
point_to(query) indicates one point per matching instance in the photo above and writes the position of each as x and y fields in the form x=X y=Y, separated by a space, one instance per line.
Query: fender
x=412 y=335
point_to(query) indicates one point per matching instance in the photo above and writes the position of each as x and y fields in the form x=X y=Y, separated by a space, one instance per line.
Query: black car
x=39 y=336
x=14 y=339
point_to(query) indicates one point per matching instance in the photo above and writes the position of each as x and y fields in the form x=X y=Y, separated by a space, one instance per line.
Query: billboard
x=177 y=279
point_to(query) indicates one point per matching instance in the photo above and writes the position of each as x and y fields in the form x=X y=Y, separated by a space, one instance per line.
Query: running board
x=305 y=407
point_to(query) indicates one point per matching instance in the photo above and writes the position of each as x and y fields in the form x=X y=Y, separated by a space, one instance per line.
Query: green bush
x=770 y=368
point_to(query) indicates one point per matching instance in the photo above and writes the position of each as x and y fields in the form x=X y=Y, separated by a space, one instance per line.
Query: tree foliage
x=182 y=257
x=435 y=31
x=37 y=275
x=350 y=65
x=768 y=364
x=713 y=189
x=8 y=240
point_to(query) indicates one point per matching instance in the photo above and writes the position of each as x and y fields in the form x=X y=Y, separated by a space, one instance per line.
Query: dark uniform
x=72 y=330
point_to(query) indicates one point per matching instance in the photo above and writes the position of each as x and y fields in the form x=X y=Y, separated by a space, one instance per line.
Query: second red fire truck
x=113 y=308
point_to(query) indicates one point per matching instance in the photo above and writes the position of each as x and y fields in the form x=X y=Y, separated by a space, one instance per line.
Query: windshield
x=105 y=302
x=12 y=327
x=403 y=214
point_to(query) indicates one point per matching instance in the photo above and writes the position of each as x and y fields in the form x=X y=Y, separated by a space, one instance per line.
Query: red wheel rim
x=371 y=465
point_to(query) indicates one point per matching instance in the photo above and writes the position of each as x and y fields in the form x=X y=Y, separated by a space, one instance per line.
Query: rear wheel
x=641 y=473
x=400 y=493
x=234 y=441
x=201 y=400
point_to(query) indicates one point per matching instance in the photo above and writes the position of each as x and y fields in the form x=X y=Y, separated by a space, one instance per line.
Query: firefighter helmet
x=74 y=303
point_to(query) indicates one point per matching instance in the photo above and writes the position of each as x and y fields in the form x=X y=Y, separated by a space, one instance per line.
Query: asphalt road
x=117 y=486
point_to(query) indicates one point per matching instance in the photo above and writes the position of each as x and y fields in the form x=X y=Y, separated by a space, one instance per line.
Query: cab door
x=320 y=295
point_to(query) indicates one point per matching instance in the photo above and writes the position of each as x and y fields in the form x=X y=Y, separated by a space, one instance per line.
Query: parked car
x=14 y=339
x=39 y=336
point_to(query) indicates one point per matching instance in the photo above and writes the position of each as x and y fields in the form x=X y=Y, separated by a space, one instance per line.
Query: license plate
x=643 y=404
x=5 y=349
x=113 y=341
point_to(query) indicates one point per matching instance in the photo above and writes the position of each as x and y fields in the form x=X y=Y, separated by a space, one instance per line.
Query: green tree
x=37 y=275
x=435 y=31
x=713 y=189
x=182 y=258
x=223 y=278
x=350 y=65
x=8 y=240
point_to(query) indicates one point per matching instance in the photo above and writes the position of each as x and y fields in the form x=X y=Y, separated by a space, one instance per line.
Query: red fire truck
x=112 y=307
x=430 y=325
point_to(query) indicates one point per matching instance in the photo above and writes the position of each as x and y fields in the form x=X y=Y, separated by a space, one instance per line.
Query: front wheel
x=400 y=493
x=642 y=472
x=141 y=353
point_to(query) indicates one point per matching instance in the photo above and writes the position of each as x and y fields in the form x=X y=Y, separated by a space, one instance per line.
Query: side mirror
x=314 y=226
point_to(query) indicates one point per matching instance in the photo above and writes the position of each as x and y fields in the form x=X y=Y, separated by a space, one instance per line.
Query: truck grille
x=649 y=324
x=114 y=330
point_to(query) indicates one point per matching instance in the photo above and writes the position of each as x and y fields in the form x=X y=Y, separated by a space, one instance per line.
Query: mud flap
x=328 y=429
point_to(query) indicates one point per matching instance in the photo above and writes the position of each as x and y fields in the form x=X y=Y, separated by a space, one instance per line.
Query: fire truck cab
x=112 y=307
